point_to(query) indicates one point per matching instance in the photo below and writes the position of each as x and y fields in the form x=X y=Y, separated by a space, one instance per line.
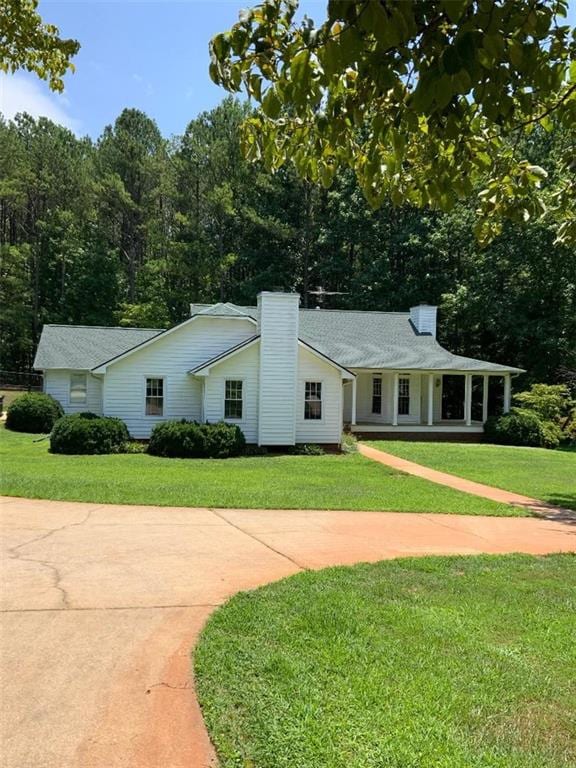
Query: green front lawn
x=283 y=482
x=453 y=662
x=537 y=472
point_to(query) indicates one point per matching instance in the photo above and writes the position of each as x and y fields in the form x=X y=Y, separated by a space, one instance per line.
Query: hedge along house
x=285 y=375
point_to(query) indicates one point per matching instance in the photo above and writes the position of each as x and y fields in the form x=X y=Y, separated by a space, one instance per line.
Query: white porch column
x=395 y=401
x=430 y=399
x=468 y=399
x=353 y=416
x=507 y=392
x=485 y=398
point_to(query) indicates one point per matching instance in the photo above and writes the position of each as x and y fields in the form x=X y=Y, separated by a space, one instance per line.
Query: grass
x=275 y=482
x=452 y=662
x=537 y=472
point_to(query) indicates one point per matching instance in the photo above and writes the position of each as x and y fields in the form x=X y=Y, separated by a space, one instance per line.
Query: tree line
x=131 y=228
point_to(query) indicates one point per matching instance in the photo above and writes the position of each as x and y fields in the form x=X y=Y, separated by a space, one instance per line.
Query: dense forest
x=131 y=228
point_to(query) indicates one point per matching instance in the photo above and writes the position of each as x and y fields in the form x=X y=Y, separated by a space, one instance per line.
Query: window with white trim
x=377 y=394
x=233 y=399
x=78 y=388
x=313 y=400
x=403 y=396
x=154 y=397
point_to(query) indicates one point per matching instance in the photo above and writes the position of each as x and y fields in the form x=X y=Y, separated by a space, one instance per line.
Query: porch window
x=377 y=394
x=233 y=399
x=403 y=396
x=154 y=397
x=313 y=400
x=78 y=388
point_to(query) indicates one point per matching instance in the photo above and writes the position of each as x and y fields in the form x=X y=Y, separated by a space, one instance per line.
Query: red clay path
x=102 y=604
x=467 y=486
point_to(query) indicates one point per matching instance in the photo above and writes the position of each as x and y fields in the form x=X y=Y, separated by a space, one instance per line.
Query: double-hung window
x=377 y=394
x=154 y=397
x=233 y=399
x=78 y=388
x=313 y=400
x=403 y=396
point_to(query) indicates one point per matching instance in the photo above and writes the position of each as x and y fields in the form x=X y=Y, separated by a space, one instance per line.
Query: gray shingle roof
x=353 y=339
x=379 y=340
x=83 y=347
x=382 y=340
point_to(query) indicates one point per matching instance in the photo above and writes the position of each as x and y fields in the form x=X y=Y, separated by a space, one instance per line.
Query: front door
x=453 y=388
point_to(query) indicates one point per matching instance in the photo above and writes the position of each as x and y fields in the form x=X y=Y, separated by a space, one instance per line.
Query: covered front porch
x=421 y=402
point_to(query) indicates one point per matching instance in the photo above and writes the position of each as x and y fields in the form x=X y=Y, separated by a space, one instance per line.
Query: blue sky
x=152 y=55
x=148 y=54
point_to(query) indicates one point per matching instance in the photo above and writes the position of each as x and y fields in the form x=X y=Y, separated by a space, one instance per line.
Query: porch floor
x=445 y=427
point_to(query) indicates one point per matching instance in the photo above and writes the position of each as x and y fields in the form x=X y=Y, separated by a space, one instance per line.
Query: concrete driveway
x=101 y=605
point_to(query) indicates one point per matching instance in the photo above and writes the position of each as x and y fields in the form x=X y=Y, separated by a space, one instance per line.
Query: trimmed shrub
x=522 y=427
x=33 y=412
x=177 y=440
x=83 y=433
x=190 y=440
x=223 y=440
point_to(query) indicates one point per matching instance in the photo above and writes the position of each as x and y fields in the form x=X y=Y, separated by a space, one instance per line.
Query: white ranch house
x=285 y=375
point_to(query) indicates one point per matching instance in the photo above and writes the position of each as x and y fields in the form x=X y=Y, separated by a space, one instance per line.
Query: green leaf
x=271 y=104
x=443 y=91
x=454 y=9
x=451 y=60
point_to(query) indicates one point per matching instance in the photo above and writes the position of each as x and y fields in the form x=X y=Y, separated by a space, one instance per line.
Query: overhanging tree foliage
x=423 y=99
x=26 y=42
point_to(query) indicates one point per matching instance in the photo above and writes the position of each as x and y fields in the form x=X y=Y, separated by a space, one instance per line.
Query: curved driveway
x=101 y=605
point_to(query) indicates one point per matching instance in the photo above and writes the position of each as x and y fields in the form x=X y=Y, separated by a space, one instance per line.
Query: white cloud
x=20 y=94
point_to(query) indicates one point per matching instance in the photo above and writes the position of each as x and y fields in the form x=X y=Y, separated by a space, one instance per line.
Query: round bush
x=190 y=440
x=223 y=440
x=33 y=412
x=177 y=439
x=522 y=427
x=82 y=433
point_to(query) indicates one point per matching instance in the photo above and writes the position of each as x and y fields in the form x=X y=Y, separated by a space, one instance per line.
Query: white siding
x=423 y=318
x=328 y=429
x=278 y=368
x=243 y=366
x=364 y=398
x=170 y=358
x=57 y=384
